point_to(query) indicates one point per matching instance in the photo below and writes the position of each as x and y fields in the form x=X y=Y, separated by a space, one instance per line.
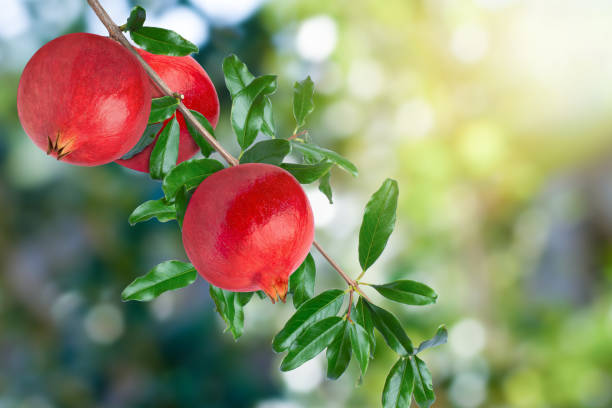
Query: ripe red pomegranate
x=185 y=76
x=248 y=228
x=84 y=99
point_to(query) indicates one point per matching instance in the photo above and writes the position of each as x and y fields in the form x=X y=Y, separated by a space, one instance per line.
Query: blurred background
x=493 y=115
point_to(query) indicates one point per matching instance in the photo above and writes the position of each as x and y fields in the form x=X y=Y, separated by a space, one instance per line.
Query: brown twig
x=115 y=32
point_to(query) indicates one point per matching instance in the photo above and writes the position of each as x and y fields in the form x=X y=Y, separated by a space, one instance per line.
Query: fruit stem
x=115 y=33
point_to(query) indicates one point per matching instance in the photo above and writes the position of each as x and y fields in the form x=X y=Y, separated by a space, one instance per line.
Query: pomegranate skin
x=248 y=228
x=84 y=99
x=185 y=76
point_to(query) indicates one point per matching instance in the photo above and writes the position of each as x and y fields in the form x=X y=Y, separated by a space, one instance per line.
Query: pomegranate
x=84 y=99
x=185 y=76
x=248 y=228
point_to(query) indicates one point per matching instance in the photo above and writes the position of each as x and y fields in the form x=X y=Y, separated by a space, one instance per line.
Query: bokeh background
x=493 y=115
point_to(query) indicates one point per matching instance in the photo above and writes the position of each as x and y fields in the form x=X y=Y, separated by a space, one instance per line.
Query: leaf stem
x=350 y=305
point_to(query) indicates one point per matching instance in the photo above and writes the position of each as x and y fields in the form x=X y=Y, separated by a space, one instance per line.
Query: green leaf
x=302 y=281
x=303 y=105
x=146 y=139
x=136 y=19
x=319 y=307
x=311 y=342
x=165 y=152
x=378 y=222
x=423 y=384
x=161 y=41
x=162 y=108
x=244 y=297
x=397 y=392
x=308 y=173
x=325 y=188
x=154 y=208
x=180 y=202
x=363 y=316
x=438 y=339
x=268 y=127
x=311 y=149
x=261 y=294
x=408 y=292
x=267 y=151
x=204 y=146
x=230 y=307
x=188 y=174
x=339 y=353
x=166 y=276
x=360 y=341
x=237 y=75
x=248 y=107
x=391 y=329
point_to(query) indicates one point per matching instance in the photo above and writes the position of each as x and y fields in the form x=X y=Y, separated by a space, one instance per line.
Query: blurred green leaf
x=161 y=41
x=311 y=342
x=423 y=384
x=248 y=107
x=312 y=149
x=189 y=174
x=378 y=222
x=319 y=307
x=146 y=139
x=166 y=276
x=230 y=308
x=244 y=297
x=204 y=146
x=267 y=151
x=360 y=342
x=302 y=281
x=339 y=353
x=136 y=19
x=165 y=152
x=391 y=329
x=363 y=316
x=325 y=187
x=154 y=208
x=438 y=339
x=162 y=108
x=397 y=392
x=408 y=292
x=308 y=173
x=303 y=103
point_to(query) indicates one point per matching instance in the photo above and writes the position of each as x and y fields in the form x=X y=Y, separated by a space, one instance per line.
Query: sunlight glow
x=316 y=38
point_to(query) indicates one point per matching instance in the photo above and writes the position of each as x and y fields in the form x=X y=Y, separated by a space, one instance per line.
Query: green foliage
x=162 y=108
x=423 y=384
x=378 y=222
x=230 y=306
x=302 y=281
x=438 y=339
x=165 y=152
x=159 y=209
x=308 y=173
x=188 y=174
x=339 y=353
x=303 y=103
x=267 y=151
x=397 y=392
x=408 y=292
x=148 y=136
x=166 y=276
x=363 y=316
x=360 y=342
x=161 y=41
x=180 y=202
x=136 y=19
x=325 y=187
x=204 y=146
x=391 y=329
x=321 y=152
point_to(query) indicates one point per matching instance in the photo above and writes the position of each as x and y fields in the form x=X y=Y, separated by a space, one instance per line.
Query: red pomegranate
x=248 y=228
x=84 y=99
x=185 y=76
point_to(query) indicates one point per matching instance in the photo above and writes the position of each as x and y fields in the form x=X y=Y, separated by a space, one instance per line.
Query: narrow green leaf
x=237 y=75
x=360 y=341
x=248 y=107
x=136 y=19
x=146 y=139
x=325 y=187
x=408 y=292
x=399 y=385
x=244 y=297
x=166 y=276
x=319 y=307
x=267 y=151
x=303 y=105
x=165 y=152
x=391 y=329
x=339 y=353
x=378 y=222
x=302 y=281
x=308 y=173
x=438 y=339
x=268 y=127
x=311 y=342
x=181 y=200
x=230 y=308
x=188 y=174
x=312 y=149
x=204 y=146
x=423 y=383
x=154 y=208
x=363 y=316
x=162 y=108
x=261 y=294
x=161 y=41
